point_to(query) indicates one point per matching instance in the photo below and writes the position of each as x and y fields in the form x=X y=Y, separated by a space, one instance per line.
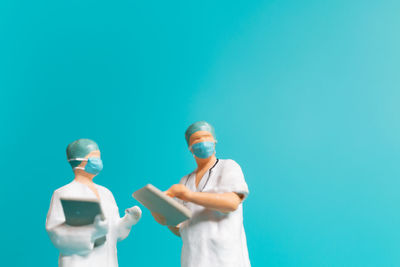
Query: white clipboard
x=157 y=201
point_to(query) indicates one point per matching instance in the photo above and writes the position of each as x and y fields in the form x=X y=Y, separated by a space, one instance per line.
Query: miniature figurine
x=214 y=192
x=78 y=245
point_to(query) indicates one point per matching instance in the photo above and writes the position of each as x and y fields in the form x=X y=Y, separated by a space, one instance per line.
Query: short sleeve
x=232 y=179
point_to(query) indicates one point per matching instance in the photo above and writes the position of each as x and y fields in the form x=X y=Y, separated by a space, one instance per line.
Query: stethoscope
x=208 y=178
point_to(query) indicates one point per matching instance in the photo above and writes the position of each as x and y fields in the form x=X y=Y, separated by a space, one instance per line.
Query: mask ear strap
x=79 y=168
x=78 y=159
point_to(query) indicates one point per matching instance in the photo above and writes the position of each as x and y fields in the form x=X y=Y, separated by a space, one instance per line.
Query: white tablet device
x=157 y=201
x=79 y=212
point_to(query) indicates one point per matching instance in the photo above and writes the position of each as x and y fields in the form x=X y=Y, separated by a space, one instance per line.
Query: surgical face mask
x=94 y=165
x=203 y=150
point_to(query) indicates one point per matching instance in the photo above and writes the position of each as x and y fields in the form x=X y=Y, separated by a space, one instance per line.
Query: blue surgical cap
x=80 y=149
x=198 y=126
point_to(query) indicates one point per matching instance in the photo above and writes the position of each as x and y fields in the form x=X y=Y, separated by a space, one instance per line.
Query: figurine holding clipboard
x=214 y=193
x=83 y=220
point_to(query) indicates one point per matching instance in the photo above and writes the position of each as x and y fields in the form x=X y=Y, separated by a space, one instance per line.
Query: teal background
x=304 y=95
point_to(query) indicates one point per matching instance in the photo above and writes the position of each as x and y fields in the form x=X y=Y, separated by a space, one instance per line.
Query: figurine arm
x=175 y=230
x=72 y=240
x=161 y=220
x=124 y=224
x=67 y=239
x=223 y=202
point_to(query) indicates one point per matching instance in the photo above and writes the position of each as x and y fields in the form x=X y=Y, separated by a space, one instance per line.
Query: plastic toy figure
x=76 y=244
x=214 y=192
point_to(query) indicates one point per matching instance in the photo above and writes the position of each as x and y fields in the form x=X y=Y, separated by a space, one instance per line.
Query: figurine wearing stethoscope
x=214 y=192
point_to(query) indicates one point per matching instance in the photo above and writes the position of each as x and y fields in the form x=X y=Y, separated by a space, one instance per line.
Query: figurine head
x=200 y=137
x=84 y=155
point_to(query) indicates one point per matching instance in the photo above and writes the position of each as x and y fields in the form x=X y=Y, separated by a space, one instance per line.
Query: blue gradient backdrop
x=304 y=95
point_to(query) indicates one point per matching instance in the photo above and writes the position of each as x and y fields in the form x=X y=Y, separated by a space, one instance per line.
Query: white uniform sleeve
x=232 y=179
x=67 y=239
x=122 y=226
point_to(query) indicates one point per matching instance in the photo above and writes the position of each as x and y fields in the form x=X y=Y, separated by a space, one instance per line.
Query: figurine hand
x=135 y=213
x=100 y=227
x=159 y=218
x=180 y=191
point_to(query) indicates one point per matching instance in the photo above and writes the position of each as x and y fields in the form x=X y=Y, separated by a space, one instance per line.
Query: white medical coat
x=74 y=243
x=211 y=238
